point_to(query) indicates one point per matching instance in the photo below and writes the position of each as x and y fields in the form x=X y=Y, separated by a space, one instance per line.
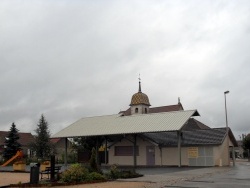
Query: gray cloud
x=72 y=59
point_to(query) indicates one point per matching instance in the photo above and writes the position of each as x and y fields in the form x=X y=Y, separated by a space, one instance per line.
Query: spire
x=139 y=84
x=179 y=100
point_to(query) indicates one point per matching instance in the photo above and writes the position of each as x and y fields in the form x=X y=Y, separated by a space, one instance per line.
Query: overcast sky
x=73 y=59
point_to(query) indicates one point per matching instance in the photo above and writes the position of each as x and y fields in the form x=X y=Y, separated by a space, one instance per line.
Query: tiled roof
x=213 y=136
x=176 y=107
x=55 y=140
x=25 y=138
x=189 y=138
x=194 y=124
x=139 y=98
x=126 y=112
x=170 y=108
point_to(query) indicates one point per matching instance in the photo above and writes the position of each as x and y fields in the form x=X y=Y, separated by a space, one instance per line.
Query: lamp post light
x=227 y=131
x=226 y=92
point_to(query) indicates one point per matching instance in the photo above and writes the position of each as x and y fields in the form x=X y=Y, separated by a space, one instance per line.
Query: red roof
x=55 y=140
x=193 y=124
x=25 y=138
x=170 y=108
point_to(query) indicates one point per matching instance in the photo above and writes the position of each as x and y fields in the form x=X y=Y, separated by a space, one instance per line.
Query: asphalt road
x=236 y=177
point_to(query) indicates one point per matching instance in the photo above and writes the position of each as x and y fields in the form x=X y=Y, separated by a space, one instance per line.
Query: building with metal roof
x=134 y=124
x=157 y=136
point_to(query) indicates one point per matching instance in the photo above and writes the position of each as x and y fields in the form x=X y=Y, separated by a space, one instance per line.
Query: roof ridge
x=166 y=105
x=100 y=116
x=155 y=114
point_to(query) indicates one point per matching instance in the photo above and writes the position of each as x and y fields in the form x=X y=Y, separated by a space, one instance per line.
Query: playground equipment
x=19 y=154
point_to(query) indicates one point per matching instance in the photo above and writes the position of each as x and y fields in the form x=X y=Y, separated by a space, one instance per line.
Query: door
x=150 y=155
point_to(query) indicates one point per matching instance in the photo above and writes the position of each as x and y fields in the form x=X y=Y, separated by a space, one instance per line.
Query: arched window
x=146 y=110
x=136 y=110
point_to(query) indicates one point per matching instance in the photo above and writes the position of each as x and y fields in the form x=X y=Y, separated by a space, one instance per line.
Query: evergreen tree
x=85 y=143
x=11 y=143
x=42 y=145
x=93 y=162
x=246 y=145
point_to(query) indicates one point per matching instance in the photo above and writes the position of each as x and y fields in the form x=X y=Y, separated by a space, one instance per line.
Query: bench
x=47 y=171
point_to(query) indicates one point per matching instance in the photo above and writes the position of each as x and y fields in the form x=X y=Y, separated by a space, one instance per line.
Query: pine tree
x=93 y=162
x=246 y=145
x=42 y=145
x=11 y=143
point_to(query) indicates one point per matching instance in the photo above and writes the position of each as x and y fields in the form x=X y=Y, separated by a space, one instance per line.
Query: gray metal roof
x=118 y=124
x=197 y=137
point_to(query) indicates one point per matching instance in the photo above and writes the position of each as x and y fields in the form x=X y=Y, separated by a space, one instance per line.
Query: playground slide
x=18 y=154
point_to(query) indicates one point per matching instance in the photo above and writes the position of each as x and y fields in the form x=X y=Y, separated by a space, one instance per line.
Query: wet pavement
x=238 y=176
x=203 y=177
x=212 y=177
x=169 y=177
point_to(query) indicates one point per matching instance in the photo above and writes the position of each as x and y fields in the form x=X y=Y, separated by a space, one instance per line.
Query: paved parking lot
x=212 y=177
x=238 y=176
x=169 y=177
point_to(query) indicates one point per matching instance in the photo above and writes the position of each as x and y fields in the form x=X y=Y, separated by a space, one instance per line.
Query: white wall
x=169 y=156
x=221 y=154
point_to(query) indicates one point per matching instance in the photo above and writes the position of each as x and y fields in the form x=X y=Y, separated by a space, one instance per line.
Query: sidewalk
x=7 y=178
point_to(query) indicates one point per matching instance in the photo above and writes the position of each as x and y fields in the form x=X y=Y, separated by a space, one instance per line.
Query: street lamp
x=226 y=92
x=227 y=131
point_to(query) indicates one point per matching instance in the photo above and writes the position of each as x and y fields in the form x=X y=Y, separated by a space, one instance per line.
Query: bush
x=76 y=173
x=95 y=176
x=129 y=174
x=116 y=173
x=92 y=161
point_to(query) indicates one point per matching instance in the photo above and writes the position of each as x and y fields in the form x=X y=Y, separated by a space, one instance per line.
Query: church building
x=156 y=136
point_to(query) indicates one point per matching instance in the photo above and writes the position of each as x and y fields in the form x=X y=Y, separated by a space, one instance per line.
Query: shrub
x=76 y=173
x=95 y=176
x=116 y=173
x=93 y=163
x=129 y=174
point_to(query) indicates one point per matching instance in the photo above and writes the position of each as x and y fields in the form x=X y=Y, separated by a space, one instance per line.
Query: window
x=136 y=110
x=125 y=150
x=146 y=110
